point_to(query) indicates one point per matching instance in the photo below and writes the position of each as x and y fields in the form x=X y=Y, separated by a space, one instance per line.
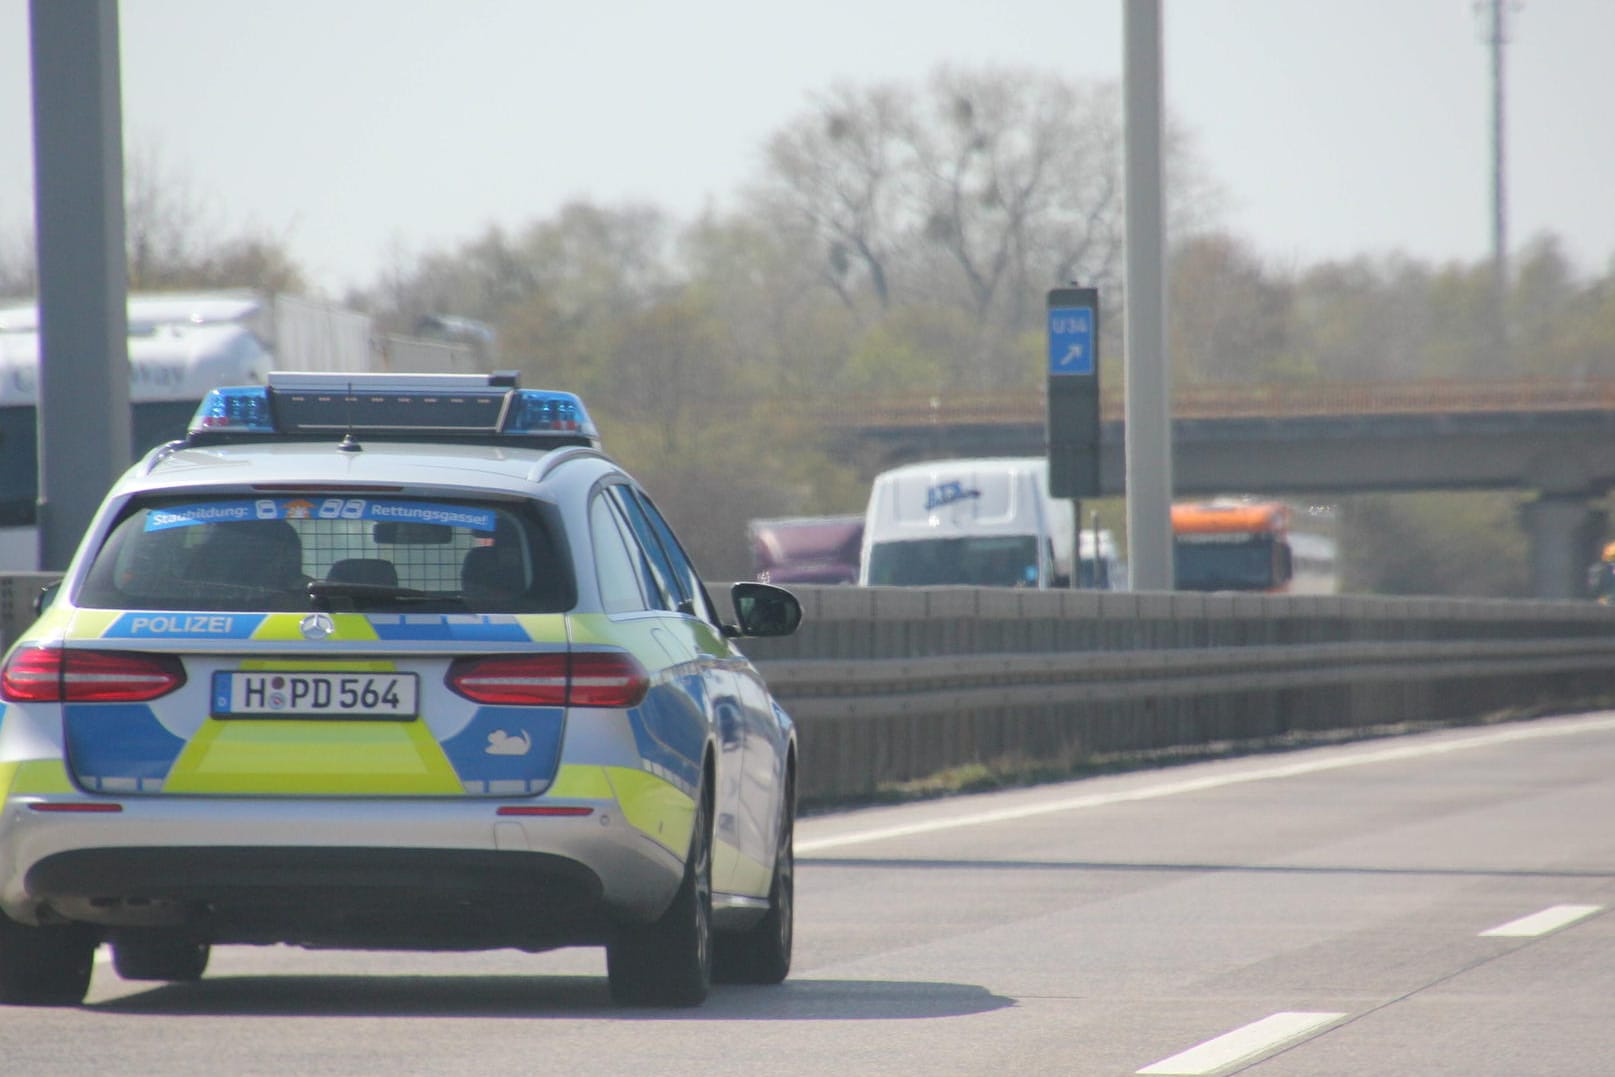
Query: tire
x=669 y=962
x=45 y=966
x=160 y=955
x=762 y=954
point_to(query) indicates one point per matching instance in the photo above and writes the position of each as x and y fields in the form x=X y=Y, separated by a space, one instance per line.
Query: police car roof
x=473 y=468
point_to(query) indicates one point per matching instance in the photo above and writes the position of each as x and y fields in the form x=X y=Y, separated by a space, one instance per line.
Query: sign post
x=1073 y=396
x=1073 y=392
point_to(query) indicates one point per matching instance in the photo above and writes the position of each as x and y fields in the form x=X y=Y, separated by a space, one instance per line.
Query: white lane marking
x=1255 y=1038
x=1215 y=781
x=1540 y=923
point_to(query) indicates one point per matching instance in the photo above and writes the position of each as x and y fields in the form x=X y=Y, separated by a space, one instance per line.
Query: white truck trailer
x=181 y=345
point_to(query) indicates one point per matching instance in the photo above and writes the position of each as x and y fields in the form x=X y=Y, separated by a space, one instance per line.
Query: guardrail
x=892 y=685
x=17 y=593
x=1218 y=401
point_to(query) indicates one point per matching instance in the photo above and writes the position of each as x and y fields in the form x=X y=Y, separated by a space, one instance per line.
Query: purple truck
x=807 y=549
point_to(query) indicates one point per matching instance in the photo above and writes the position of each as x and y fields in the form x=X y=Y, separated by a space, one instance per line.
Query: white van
x=981 y=523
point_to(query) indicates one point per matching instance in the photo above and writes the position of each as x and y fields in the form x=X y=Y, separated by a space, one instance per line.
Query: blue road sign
x=1070 y=341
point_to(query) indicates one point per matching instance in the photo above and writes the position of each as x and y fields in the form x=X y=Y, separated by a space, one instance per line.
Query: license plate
x=279 y=694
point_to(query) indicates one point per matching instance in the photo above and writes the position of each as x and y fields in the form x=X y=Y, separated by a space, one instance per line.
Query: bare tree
x=1021 y=185
x=174 y=237
x=978 y=192
x=166 y=225
x=768 y=300
x=1230 y=316
x=842 y=168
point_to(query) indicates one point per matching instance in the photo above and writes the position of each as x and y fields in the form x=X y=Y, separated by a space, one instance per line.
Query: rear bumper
x=419 y=874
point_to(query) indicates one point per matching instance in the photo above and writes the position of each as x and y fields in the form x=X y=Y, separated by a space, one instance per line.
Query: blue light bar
x=243 y=410
x=395 y=405
x=536 y=411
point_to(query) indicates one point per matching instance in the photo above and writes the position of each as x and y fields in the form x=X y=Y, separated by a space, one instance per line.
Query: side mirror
x=761 y=609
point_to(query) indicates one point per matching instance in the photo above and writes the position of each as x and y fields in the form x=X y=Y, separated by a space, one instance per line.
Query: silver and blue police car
x=392 y=662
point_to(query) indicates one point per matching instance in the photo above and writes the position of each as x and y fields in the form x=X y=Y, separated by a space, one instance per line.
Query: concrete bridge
x=1555 y=439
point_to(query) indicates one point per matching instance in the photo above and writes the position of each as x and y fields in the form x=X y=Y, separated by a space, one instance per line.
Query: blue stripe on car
x=489 y=628
x=508 y=744
x=113 y=741
x=184 y=626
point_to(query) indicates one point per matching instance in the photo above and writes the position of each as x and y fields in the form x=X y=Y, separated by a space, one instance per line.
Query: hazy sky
x=360 y=130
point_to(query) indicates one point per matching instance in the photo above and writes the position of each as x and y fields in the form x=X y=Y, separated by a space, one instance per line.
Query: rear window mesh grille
x=194 y=554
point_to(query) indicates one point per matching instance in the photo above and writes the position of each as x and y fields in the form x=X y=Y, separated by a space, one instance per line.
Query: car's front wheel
x=160 y=955
x=669 y=962
x=45 y=966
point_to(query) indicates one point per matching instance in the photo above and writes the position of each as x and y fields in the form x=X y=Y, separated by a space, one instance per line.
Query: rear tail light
x=59 y=675
x=545 y=810
x=585 y=679
x=76 y=807
x=606 y=679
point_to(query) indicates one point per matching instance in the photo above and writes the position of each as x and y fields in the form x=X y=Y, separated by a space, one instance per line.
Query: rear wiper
x=322 y=591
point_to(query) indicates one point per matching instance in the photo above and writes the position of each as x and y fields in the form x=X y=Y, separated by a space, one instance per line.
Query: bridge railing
x=1241 y=401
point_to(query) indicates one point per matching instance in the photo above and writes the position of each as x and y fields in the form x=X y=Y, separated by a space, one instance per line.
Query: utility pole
x=1148 y=433
x=1495 y=13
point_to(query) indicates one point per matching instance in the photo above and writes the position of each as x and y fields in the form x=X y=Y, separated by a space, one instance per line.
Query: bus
x=1230 y=545
x=179 y=348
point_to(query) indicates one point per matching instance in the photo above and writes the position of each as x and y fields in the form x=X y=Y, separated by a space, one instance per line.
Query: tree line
x=901 y=238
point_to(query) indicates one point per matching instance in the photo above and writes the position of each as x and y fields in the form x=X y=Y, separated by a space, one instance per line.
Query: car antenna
x=349 y=443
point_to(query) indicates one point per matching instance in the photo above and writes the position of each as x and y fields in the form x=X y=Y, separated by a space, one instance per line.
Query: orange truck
x=1232 y=546
x=1601 y=577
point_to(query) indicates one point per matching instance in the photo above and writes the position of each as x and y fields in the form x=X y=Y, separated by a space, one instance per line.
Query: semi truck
x=303 y=333
x=180 y=345
x=1232 y=545
x=806 y=549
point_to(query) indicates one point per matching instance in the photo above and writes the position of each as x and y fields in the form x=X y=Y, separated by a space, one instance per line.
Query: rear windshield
x=978 y=561
x=342 y=554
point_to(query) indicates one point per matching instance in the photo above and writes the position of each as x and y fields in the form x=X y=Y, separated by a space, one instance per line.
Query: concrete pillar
x=83 y=286
x=1564 y=534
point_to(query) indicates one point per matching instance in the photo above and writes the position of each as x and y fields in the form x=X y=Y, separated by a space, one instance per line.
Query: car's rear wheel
x=45 y=966
x=160 y=955
x=762 y=954
x=669 y=962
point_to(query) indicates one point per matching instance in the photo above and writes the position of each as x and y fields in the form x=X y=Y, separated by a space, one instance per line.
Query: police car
x=392 y=662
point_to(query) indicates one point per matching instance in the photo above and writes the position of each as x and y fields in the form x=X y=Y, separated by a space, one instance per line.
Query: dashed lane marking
x=1540 y=923
x=1256 y=1038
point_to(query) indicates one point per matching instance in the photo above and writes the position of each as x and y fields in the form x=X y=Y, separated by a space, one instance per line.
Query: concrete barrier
x=18 y=590
x=892 y=685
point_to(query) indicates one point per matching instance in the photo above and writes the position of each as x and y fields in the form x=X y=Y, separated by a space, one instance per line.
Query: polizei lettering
x=182 y=624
